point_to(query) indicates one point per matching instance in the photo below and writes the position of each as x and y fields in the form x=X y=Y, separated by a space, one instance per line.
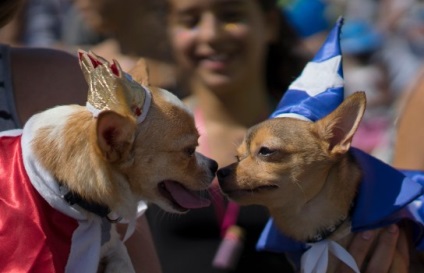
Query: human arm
x=141 y=247
x=409 y=147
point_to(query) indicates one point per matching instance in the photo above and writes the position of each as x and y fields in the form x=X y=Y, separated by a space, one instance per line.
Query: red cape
x=34 y=236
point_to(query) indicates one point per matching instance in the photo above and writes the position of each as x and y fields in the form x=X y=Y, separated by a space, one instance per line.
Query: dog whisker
x=300 y=188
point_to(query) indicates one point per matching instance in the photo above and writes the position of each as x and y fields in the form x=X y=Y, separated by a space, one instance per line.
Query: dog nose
x=213 y=166
x=223 y=172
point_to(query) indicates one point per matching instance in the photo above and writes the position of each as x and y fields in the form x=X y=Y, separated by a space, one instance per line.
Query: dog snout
x=223 y=173
x=213 y=166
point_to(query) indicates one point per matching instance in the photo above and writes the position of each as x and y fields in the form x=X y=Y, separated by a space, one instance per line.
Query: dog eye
x=237 y=158
x=265 y=151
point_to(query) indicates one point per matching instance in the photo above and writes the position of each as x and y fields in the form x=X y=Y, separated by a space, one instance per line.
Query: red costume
x=26 y=220
x=39 y=230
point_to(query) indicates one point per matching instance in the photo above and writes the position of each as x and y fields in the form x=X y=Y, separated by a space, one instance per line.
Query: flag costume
x=385 y=195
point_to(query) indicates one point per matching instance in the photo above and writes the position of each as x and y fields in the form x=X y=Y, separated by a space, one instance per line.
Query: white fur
x=171 y=98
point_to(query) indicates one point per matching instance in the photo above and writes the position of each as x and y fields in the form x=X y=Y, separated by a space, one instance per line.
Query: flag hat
x=320 y=87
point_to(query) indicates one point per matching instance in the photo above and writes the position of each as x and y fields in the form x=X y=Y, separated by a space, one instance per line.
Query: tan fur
x=301 y=171
x=116 y=162
x=75 y=148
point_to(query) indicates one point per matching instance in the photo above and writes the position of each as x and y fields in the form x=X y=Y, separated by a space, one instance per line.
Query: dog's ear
x=115 y=135
x=140 y=72
x=339 y=126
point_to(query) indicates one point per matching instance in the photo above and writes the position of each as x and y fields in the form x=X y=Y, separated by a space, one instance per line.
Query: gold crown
x=110 y=88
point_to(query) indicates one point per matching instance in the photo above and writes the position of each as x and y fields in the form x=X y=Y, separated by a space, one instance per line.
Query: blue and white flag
x=320 y=88
x=385 y=195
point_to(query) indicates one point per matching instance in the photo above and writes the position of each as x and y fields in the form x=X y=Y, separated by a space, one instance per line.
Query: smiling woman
x=226 y=43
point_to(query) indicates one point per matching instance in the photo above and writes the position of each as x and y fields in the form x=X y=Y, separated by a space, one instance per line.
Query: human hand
x=380 y=251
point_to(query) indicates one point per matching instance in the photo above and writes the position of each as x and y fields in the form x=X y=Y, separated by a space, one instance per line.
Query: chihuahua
x=302 y=171
x=98 y=163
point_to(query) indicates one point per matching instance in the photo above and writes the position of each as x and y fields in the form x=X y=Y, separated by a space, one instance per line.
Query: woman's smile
x=215 y=62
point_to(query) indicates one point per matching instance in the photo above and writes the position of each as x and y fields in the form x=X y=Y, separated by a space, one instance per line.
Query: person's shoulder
x=47 y=57
x=48 y=67
x=44 y=77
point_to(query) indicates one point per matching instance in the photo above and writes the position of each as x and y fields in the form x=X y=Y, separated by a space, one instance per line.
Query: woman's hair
x=284 y=61
x=8 y=9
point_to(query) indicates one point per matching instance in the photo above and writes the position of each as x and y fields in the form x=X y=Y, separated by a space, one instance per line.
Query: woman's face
x=219 y=42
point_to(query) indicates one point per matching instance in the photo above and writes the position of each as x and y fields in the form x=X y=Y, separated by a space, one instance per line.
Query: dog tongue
x=185 y=198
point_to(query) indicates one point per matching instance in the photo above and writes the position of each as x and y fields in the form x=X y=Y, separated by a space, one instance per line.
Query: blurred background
x=382 y=43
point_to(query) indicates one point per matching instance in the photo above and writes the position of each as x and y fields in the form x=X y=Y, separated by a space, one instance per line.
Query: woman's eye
x=188 y=21
x=265 y=151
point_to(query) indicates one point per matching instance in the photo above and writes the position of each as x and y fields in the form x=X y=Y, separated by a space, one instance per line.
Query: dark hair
x=284 y=61
x=8 y=10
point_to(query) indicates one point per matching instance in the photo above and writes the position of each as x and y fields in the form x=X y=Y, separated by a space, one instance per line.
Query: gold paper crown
x=110 y=88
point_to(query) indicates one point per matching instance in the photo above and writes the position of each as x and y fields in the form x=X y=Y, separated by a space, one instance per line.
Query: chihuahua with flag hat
x=319 y=189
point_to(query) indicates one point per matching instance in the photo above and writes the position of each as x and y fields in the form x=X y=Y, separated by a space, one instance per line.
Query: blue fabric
x=331 y=46
x=320 y=88
x=297 y=101
x=383 y=192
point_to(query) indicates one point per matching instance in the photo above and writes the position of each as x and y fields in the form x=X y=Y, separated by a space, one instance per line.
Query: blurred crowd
x=382 y=43
x=383 y=49
x=112 y=29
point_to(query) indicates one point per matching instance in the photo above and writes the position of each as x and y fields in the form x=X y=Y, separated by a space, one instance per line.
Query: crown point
x=116 y=68
x=81 y=54
x=94 y=61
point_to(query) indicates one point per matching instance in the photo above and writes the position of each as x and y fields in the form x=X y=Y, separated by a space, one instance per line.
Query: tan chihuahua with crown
x=301 y=166
x=74 y=171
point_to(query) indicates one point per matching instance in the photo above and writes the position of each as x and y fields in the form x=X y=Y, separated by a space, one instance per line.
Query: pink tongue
x=184 y=197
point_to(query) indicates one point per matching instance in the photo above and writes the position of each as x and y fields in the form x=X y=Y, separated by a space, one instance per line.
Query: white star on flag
x=318 y=77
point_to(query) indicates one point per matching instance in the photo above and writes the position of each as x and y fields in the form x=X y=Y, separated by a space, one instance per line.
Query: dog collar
x=100 y=210
x=327 y=232
x=146 y=105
